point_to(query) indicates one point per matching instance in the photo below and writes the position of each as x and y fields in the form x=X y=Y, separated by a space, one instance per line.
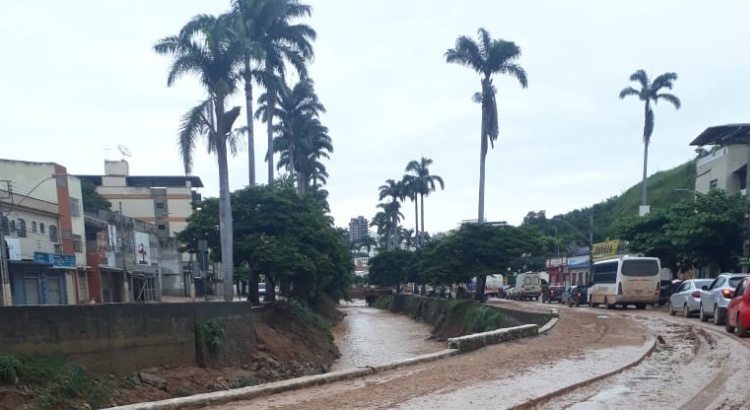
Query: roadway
x=690 y=367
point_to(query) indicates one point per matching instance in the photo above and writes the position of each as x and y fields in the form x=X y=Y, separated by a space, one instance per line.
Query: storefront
x=579 y=269
x=35 y=283
x=557 y=269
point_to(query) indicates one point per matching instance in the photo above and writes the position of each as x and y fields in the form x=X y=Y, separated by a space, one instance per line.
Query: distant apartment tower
x=358 y=228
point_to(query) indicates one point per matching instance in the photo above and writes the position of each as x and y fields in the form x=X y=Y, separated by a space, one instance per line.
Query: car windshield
x=733 y=282
x=700 y=283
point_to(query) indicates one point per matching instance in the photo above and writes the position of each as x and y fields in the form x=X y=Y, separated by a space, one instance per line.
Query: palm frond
x=672 y=99
x=629 y=91
x=641 y=77
x=196 y=122
x=663 y=81
x=467 y=53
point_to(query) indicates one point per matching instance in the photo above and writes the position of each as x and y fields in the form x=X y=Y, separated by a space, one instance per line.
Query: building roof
x=151 y=181
x=729 y=134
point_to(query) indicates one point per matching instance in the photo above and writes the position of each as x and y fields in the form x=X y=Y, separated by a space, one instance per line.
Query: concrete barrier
x=478 y=340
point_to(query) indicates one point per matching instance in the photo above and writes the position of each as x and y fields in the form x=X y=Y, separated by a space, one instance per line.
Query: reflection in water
x=370 y=336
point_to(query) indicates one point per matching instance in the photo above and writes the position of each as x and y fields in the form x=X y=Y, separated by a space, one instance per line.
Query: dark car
x=554 y=294
x=578 y=295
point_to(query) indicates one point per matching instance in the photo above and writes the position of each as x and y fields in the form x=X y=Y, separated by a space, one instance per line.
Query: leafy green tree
x=487 y=57
x=202 y=49
x=92 y=201
x=706 y=231
x=476 y=250
x=423 y=183
x=650 y=92
x=393 y=268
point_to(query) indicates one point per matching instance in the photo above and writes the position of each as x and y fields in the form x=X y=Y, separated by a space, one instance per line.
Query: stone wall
x=121 y=338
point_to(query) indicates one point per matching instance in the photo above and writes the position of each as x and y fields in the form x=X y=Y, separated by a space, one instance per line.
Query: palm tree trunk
x=416 y=220
x=395 y=232
x=270 y=108
x=645 y=166
x=480 y=216
x=422 y=196
x=250 y=131
x=225 y=221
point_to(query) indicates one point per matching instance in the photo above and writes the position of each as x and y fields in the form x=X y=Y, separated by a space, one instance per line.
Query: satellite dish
x=124 y=151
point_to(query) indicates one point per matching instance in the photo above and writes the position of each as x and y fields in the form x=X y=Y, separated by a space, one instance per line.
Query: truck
x=492 y=287
x=528 y=286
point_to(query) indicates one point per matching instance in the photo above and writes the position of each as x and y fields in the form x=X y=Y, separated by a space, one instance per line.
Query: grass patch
x=306 y=315
x=56 y=382
x=211 y=335
x=474 y=316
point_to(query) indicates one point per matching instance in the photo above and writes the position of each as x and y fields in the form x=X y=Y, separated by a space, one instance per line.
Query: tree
x=476 y=250
x=263 y=29
x=650 y=92
x=202 y=48
x=706 y=231
x=392 y=268
x=300 y=137
x=423 y=182
x=487 y=57
x=92 y=201
x=395 y=191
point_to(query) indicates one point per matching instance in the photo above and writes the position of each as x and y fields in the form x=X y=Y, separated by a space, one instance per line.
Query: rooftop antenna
x=106 y=153
x=124 y=151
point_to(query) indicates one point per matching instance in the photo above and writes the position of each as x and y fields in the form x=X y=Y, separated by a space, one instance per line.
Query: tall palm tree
x=411 y=191
x=300 y=137
x=268 y=39
x=394 y=190
x=487 y=57
x=392 y=211
x=424 y=182
x=382 y=222
x=650 y=92
x=201 y=48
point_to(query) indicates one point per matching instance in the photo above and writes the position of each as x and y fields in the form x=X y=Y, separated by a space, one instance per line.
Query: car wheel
x=639 y=306
x=686 y=311
x=741 y=329
x=607 y=305
x=728 y=328
x=718 y=320
x=670 y=309
x=702 y=315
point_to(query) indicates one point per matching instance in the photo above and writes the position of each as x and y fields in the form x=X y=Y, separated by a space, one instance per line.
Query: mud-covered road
x=692 y=366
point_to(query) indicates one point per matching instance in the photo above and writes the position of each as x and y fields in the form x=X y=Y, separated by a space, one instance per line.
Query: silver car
x=687 y=297
x=716 y=297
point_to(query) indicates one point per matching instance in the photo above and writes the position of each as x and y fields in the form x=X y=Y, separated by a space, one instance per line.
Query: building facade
x=557 y=269
x=724 y=168
x=358 y=229
x=165 y=201
x=41 y=218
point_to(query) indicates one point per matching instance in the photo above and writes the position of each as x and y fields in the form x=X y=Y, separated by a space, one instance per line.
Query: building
x=557 y=268
x=41 y=219
x=725 y=165
x=126 y=258
x=165 y=201
x=358 y=229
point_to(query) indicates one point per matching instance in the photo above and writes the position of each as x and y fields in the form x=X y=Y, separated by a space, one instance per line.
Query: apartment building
x=165 y=201
x=723 y=165
x=41 y=218
x=358 y=228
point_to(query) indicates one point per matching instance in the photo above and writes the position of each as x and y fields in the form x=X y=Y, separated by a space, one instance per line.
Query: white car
x=687 y=297
x=716 y=297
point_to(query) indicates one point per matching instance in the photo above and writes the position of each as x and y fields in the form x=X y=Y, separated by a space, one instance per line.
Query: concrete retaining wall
x=478 y=340
x=121 y=338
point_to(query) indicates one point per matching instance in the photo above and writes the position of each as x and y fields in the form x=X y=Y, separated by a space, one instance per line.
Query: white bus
x=625 y=280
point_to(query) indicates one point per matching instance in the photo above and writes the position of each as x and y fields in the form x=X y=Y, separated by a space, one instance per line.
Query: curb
x=549 y=396
x=250 y=392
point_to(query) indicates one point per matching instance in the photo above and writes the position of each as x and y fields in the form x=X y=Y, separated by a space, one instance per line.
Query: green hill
x=661 y=193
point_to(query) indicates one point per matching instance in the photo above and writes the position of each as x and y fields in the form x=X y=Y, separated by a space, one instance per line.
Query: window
x=718 y=282
x=21 y=228
x=53 y=237
x=605 y=272
x=160 y=205
x=41 y=227
x=75 y=207
x=713 y=184
x=740 y=288
x=58 y=248
x=640 y=267
x=33 y=226
x=162 y=227
x=77 y=243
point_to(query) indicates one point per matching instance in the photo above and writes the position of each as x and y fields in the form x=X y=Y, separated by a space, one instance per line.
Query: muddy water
x=370 y=336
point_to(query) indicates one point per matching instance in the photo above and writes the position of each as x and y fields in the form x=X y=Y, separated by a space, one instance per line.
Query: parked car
x=509 y=292
x=687 y=297
x=262 y=289
x=715 y=297
x=565 y=297
x=738 y=309
x=578 y=295
x=555 y=294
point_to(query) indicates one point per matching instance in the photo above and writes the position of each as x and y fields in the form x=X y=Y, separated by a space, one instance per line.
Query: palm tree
x=264 y=29
x=394 y=190
x=650 y=92
x=487 y=57
x=408 y=236
x=300 y=137
x=392 y=211
x=423 y=181
x=382 y=222
x=201 y=48
x=411 y=191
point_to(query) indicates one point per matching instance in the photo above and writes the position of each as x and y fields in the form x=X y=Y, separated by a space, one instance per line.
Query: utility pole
x=745 y=262
x=6 y=299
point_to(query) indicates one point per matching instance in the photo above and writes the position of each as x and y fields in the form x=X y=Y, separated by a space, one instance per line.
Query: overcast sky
x=79 y=78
